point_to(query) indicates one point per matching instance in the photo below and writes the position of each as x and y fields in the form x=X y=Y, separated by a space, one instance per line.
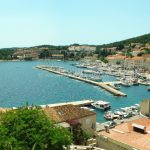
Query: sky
x=26 y=23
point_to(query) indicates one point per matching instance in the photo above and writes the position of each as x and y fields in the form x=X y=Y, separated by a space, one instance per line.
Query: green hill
x=140 y=39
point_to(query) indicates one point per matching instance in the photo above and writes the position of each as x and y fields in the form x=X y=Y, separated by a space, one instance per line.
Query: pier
x=99 y=84
x=76 y=103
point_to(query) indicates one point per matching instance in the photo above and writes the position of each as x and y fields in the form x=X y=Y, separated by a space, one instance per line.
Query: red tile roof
x=130 y=137
x=116 y=57
x=66 y=112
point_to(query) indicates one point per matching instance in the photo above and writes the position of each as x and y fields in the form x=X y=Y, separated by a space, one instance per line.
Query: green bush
x=29 y=128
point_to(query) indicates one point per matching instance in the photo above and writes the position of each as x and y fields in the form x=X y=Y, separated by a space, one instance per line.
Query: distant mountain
x=140 y=39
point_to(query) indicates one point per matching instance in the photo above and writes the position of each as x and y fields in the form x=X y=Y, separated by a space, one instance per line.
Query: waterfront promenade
x=99 y=84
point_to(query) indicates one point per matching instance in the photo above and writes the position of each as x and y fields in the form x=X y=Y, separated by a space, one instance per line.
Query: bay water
x=20 y=82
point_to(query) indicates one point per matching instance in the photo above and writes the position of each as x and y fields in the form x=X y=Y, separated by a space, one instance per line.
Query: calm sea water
x=20 y=82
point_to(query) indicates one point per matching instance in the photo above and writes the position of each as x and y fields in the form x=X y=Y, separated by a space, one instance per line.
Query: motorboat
x=103 y=105
x=90 y=109
x=127 y=84
x=88 y=71
x=116 y=86
x=81 y=66
x=126 y=109
x=135 y=82
x=111 y=116
x=108 y=115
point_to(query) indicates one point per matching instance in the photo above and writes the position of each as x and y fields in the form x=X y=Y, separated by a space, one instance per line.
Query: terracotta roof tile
x=130 y=137
x=66 y=112
x=116 y=57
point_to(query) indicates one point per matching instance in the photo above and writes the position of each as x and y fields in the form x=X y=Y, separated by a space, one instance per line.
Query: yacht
x=103 y=105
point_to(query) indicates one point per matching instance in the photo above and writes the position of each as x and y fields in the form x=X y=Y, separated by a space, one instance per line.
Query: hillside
x=143 y=39
x=140 y=44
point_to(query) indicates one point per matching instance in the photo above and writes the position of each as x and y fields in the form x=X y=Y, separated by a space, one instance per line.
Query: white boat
x=90 y=109
x=88 y=71
x=95 y=78
x=126 y=109
x=81 y=66
x=108 y=115
x=103 y=105
x=127 y=84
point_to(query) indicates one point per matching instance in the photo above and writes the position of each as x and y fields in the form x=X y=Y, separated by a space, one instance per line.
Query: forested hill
x=140 y=39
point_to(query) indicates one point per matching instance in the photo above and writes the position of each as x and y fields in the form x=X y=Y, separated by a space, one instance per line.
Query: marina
x=21 y=83
x=100 y=84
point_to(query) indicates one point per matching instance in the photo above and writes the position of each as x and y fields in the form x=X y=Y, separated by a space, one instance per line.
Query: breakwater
x=72 y=76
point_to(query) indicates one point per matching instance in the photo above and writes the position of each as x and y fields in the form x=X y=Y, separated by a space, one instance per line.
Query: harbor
x=43 y=87
x=100 y=84
x=117 y=117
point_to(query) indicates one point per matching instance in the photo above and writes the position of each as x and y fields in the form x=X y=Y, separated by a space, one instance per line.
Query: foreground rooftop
x=124 y=133
x=66 y=112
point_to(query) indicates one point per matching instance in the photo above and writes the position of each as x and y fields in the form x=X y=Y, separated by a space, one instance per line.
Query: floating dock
x=99 y=84
x=76 y=103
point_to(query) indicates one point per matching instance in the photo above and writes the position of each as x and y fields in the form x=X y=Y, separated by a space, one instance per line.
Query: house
x=132 y=135
x=114 y=59
x=66 y=115
x=57 y=56
x=26 y=53
x=86 y=49
x=146 y=61
x=82 y=48
x=134 y=62
x=145 y=107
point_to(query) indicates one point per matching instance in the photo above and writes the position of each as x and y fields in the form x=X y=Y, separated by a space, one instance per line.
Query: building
x=57 y=56
x=85 y=48
x=146 y=62
x=132 y=135
x=116 y=59
x=65 y=115
x=134 y=62
x=135 y=52
x=130 y=62
x=25 y=54
x=145 y=107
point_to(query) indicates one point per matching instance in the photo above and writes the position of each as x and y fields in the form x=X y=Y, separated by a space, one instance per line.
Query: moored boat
x=111 y=116
x=108 y=115
x=103 y=105
x=127 y=84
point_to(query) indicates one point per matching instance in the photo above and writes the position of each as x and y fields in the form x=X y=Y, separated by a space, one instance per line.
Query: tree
x=80 y=137
x=44 y=54
x=103 y=59
x=29 y=128
x=120 y=46
x=140 y=53
x=118 y=62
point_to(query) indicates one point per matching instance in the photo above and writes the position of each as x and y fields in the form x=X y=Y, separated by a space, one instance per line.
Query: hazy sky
x=62 y=22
